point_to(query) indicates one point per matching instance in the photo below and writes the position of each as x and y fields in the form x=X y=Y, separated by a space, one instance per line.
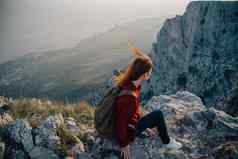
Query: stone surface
x=2 y=149
x=197 y=52
x=205 y=133
x=71 y=125
x=46 y=133
x=42 y=153
x=19 y=132
x=5 y=119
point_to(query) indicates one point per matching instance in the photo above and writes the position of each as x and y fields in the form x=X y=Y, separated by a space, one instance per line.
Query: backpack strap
x=127 y=92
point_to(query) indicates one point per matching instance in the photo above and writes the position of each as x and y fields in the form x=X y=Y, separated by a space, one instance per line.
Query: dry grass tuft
x=36 y=110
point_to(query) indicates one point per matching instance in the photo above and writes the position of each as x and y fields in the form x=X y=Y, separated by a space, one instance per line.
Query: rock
x=5 y=119
x=174 y=106
x=46 y=134
x=4 y=109
x=42 y=153
x=221 y=120
x=229 y=104
x=82 y=156
x=19 y=136
x=4 y=101
x=68 y=157
x=226 y=151
x=197 y=52
x=19 y=132
x=76 y=149
x=47 y=140
x=18 y=154
x=70 y=123
x=2 y=149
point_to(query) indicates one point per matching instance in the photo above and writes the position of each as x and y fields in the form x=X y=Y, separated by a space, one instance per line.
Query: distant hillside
x=72 y=73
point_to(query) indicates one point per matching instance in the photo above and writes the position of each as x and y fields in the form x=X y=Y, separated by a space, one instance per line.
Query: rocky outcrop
x=229 y=104
x=46 y=133
x=197 y=52
x=206 y=133
x=20 y=141
x=37 y=143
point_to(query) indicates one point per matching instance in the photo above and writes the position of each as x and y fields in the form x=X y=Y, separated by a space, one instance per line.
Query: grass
x=36 y=110
x=67 y=139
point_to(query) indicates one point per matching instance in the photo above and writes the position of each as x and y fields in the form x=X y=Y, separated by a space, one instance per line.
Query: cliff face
x=198 y=52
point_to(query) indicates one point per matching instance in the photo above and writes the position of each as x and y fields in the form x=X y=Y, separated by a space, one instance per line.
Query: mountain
x=41 y=128
x=197 y=52
x=72 y=73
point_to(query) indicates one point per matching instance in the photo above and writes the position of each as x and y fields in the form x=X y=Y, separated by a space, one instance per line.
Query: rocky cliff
x=198 y=52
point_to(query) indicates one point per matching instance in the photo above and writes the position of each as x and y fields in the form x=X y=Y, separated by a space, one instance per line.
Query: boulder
x=2 y=149
x=42 y=153
x=19 y=132
x=46 y=134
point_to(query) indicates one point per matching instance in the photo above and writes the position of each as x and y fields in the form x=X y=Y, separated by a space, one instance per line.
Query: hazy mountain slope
x=198 y=52
x=73 y=72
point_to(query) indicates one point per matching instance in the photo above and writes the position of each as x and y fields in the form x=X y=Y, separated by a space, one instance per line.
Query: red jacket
x=128 y=114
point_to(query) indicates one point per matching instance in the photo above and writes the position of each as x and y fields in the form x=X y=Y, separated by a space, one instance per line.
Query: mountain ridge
x=73 y=73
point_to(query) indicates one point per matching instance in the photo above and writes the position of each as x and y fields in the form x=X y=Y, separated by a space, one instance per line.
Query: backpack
x=105 y=112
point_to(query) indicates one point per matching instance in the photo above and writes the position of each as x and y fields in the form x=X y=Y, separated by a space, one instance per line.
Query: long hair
x=136 y=67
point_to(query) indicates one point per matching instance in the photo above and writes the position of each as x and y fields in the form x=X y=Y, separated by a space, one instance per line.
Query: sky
x=31 y=26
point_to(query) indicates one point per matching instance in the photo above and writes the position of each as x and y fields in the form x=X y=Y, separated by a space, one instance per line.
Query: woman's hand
x=125 y=152
x=152 y=131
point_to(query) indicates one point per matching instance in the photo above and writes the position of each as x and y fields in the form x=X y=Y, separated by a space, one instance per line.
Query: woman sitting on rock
x=129 y=122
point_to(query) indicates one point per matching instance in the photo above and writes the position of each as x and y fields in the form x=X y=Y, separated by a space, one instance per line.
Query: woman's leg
x=154 y=119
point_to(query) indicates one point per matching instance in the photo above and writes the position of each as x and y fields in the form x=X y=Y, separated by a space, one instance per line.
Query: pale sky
x=39 y=25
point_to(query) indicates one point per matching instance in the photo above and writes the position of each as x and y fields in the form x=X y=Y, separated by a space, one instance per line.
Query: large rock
x=230 y=103
x=71 y=125
x=226 y=151
x=19 y=132
x=197 y=52
x=2 y=149
x=42 y=153
x=46 y=134
x=18 y=135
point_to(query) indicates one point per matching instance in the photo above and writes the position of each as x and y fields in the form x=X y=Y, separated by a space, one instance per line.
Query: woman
x=129 y=122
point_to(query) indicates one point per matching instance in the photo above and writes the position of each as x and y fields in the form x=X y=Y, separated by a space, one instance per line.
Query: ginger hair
x=138 y=66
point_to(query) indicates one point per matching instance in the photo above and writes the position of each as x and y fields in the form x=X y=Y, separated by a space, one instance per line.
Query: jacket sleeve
x=125 y=106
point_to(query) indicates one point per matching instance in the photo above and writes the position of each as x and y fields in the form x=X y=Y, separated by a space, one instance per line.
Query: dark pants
x=154 y=119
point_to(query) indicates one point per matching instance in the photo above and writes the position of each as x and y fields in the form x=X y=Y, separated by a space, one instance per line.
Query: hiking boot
x=173 y=144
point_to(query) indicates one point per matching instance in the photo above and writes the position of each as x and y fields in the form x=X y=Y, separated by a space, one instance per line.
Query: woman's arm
x=124 y=111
